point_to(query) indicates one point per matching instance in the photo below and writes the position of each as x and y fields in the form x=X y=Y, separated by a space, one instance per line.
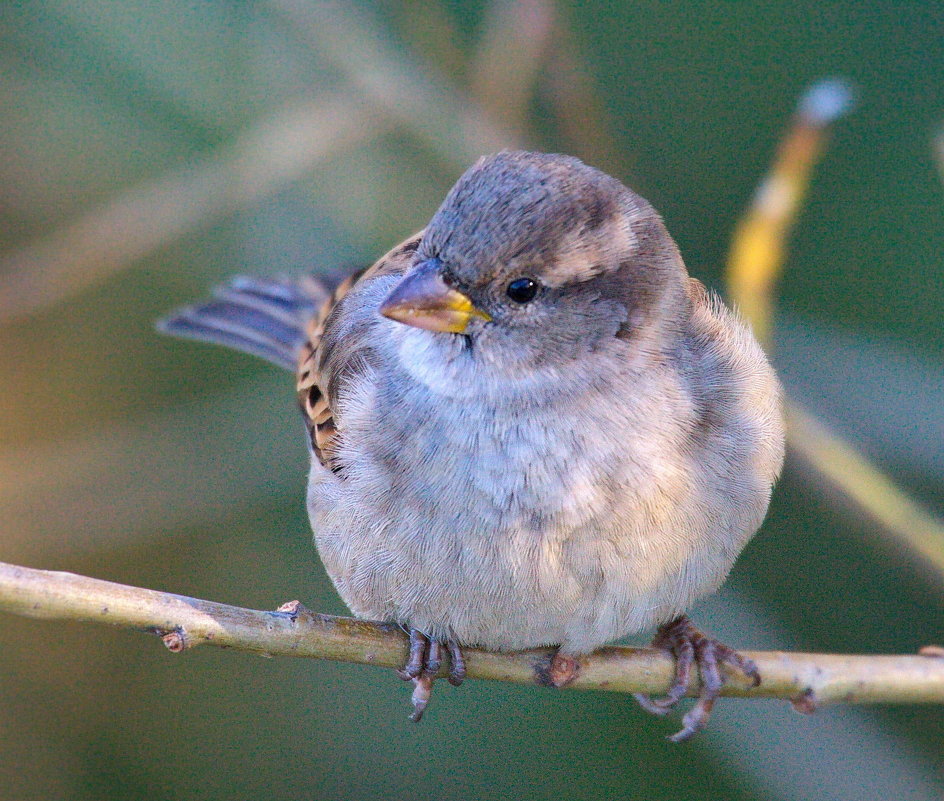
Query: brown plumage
x=312 y=396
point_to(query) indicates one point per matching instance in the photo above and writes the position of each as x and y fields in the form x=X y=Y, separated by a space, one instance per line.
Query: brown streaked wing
x=322 y=426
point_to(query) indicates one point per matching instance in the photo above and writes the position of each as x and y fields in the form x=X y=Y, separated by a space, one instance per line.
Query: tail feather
x=264 y=317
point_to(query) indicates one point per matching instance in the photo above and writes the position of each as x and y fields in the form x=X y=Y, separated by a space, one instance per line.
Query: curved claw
x=416 y=659
x=690 y=647
x=456 y=663
x=422 y=667
x=685 y=658
x=654 y=706
x=694 y=720
x=422 y=690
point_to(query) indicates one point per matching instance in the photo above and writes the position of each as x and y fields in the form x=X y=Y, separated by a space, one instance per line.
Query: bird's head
x=538 y=259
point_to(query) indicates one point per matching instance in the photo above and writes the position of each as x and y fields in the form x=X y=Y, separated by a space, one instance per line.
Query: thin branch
x=805 y=679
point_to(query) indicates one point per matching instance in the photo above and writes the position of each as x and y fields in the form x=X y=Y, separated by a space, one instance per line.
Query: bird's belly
x=504 y=536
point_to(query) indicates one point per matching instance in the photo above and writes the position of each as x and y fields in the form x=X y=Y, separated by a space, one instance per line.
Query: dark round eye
x=522 y=290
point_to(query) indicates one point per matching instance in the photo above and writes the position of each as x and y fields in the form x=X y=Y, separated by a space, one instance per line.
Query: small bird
x=528 y=425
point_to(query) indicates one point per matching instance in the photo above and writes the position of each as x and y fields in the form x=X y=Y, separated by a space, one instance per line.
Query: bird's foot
x=422 y=667
x=692 y=648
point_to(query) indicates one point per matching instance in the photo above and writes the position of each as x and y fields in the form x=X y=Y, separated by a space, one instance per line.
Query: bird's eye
x=522 y=290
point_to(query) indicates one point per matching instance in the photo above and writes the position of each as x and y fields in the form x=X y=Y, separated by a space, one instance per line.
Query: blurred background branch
x=416 y=96
x=105 y=240
x=806 y=679
x=511 y=54
x=756 y=262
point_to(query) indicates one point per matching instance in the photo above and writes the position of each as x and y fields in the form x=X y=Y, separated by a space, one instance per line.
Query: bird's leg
x=423 y=664
x=690 y=648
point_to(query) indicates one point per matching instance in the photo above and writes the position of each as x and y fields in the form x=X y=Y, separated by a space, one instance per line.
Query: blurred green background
x=150 y=149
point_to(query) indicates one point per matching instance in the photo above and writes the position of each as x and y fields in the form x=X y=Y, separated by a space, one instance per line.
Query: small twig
x=808 y=680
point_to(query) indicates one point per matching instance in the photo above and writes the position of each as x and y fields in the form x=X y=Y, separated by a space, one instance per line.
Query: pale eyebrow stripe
x=581 y=257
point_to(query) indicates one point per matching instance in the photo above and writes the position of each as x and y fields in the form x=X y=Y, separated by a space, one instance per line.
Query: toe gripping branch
x=422 y=667
x=691 y=648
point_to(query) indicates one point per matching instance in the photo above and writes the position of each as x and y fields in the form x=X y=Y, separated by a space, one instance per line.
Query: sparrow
x=528 y=425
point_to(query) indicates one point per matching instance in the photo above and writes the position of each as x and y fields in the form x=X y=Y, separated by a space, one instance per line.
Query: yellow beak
x=423 y=299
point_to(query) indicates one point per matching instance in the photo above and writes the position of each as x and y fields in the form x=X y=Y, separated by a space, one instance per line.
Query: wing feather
x=312 y=387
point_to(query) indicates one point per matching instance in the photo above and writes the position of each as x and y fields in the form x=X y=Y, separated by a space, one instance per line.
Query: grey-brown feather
x=565 y=474
x=267 y=318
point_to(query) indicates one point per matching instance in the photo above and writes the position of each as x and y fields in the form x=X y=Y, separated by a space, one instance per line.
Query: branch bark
x=805 y=679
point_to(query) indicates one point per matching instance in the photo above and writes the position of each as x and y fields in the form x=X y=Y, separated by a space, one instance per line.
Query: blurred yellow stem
x=757 y=251
x=755 y=264
x=182 y=622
